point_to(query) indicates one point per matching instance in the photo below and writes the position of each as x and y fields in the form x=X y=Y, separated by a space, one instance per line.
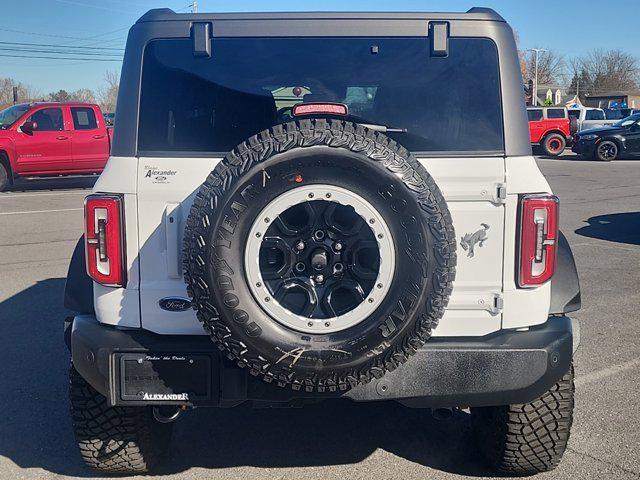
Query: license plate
x=165 y=378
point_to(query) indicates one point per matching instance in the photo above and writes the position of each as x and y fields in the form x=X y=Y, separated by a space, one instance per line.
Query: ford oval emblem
x=175 y=304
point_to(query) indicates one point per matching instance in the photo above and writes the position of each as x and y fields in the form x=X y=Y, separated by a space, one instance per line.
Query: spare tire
x=319 y=254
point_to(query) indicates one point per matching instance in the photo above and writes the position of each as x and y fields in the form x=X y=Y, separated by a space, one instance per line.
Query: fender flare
x=78 y=289
x=565 y=284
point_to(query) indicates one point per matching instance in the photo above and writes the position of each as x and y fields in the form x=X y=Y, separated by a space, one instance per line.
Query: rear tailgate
x=472 y=187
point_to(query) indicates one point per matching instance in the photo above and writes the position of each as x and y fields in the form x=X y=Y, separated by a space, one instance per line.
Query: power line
x=62 y=58
x=56 y=45
x=64 y=52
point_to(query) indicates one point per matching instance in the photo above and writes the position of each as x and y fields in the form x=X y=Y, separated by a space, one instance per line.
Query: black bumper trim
x=503 y=368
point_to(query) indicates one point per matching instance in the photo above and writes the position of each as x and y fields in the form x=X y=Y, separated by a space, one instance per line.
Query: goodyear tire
x=321 y=156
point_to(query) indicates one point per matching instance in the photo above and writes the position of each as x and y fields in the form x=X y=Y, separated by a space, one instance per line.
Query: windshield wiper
x=383 y=128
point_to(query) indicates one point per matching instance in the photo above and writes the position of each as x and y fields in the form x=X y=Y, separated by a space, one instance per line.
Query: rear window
x=555 y=113
x=614 y=114
x=534 y=115
x=209 y=105
x=594 y=115
x=84 y=118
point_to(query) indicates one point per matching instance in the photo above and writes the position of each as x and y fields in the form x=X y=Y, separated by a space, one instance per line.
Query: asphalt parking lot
x=40 y=222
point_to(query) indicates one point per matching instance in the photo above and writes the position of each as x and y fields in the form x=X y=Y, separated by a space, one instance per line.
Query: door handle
x=61 y=137
x=97 y=137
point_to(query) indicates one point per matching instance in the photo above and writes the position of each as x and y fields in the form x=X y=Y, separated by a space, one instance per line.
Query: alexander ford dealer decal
x=159 y=176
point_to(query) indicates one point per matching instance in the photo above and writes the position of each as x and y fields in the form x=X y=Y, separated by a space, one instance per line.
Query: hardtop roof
x=166 y=14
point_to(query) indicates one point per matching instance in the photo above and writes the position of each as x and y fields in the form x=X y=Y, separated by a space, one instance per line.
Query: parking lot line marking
x=606 y=372
x=44 y=194
x=42 y=211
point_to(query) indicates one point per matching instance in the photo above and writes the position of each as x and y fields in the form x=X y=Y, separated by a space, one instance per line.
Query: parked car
x=550 y=128
x=247 y=247
x=608 y=143
x=109 y=118
x=588 y=117
x=43 y=139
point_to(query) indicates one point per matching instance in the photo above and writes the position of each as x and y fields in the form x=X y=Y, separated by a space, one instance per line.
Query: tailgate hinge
x=500 y=193
x=498 y=303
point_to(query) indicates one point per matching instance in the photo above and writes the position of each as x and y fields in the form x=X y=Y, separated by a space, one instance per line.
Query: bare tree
x=108 y=93
x=522 y=57
x=83 y=95
x=604 y=71
x=26 y=93
x=551 y=67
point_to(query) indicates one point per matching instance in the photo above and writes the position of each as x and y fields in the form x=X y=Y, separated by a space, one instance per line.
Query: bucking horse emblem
x=468 y=242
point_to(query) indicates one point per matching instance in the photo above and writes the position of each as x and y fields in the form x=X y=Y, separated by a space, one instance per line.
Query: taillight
x=538 y=239
x=104 y=239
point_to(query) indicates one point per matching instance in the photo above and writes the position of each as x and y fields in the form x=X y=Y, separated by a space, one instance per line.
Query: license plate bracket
x=166 y=378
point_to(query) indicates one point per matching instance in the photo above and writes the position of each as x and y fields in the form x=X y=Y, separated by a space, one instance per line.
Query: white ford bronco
x=307 y=206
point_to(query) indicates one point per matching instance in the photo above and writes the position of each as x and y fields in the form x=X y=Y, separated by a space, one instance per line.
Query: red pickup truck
x=42 y=139
x=550 y=128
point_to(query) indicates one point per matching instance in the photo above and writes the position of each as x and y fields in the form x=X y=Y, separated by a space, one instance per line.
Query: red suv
x=550 y=128
x=41 y=139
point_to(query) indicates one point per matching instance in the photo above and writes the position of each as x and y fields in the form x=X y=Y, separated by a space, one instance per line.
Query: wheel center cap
x=319 y=259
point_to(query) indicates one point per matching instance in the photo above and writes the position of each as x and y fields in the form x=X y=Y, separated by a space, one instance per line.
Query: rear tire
x=529 y=438
x=607 y=151
x=4 y=177
x=554 y=144
x=114 y=439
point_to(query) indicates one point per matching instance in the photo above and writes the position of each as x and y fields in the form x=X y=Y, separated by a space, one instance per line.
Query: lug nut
x=337 y=268
x=300 y=246
x=300 y=267
x=318 y=234
x=337 y=246
x=319 y=278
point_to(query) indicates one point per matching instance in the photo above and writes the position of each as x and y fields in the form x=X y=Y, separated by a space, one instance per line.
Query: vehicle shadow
x=52 y=183
x=36 y=431
x=614 y=227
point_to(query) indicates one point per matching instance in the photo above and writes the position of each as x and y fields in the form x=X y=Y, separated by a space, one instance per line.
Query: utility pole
x=195 y=6
x=535 y=81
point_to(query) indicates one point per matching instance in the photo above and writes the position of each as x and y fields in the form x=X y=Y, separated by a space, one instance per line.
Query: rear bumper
x=503 y=368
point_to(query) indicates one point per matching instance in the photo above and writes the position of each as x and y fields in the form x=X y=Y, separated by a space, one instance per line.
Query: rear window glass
x=83 y=118
x=201 y=104
x=534 y=115
x=555 y=113
x=594 y=115
x=614 y=115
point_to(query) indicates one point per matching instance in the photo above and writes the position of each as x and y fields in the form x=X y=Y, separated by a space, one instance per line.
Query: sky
x=570 y=27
